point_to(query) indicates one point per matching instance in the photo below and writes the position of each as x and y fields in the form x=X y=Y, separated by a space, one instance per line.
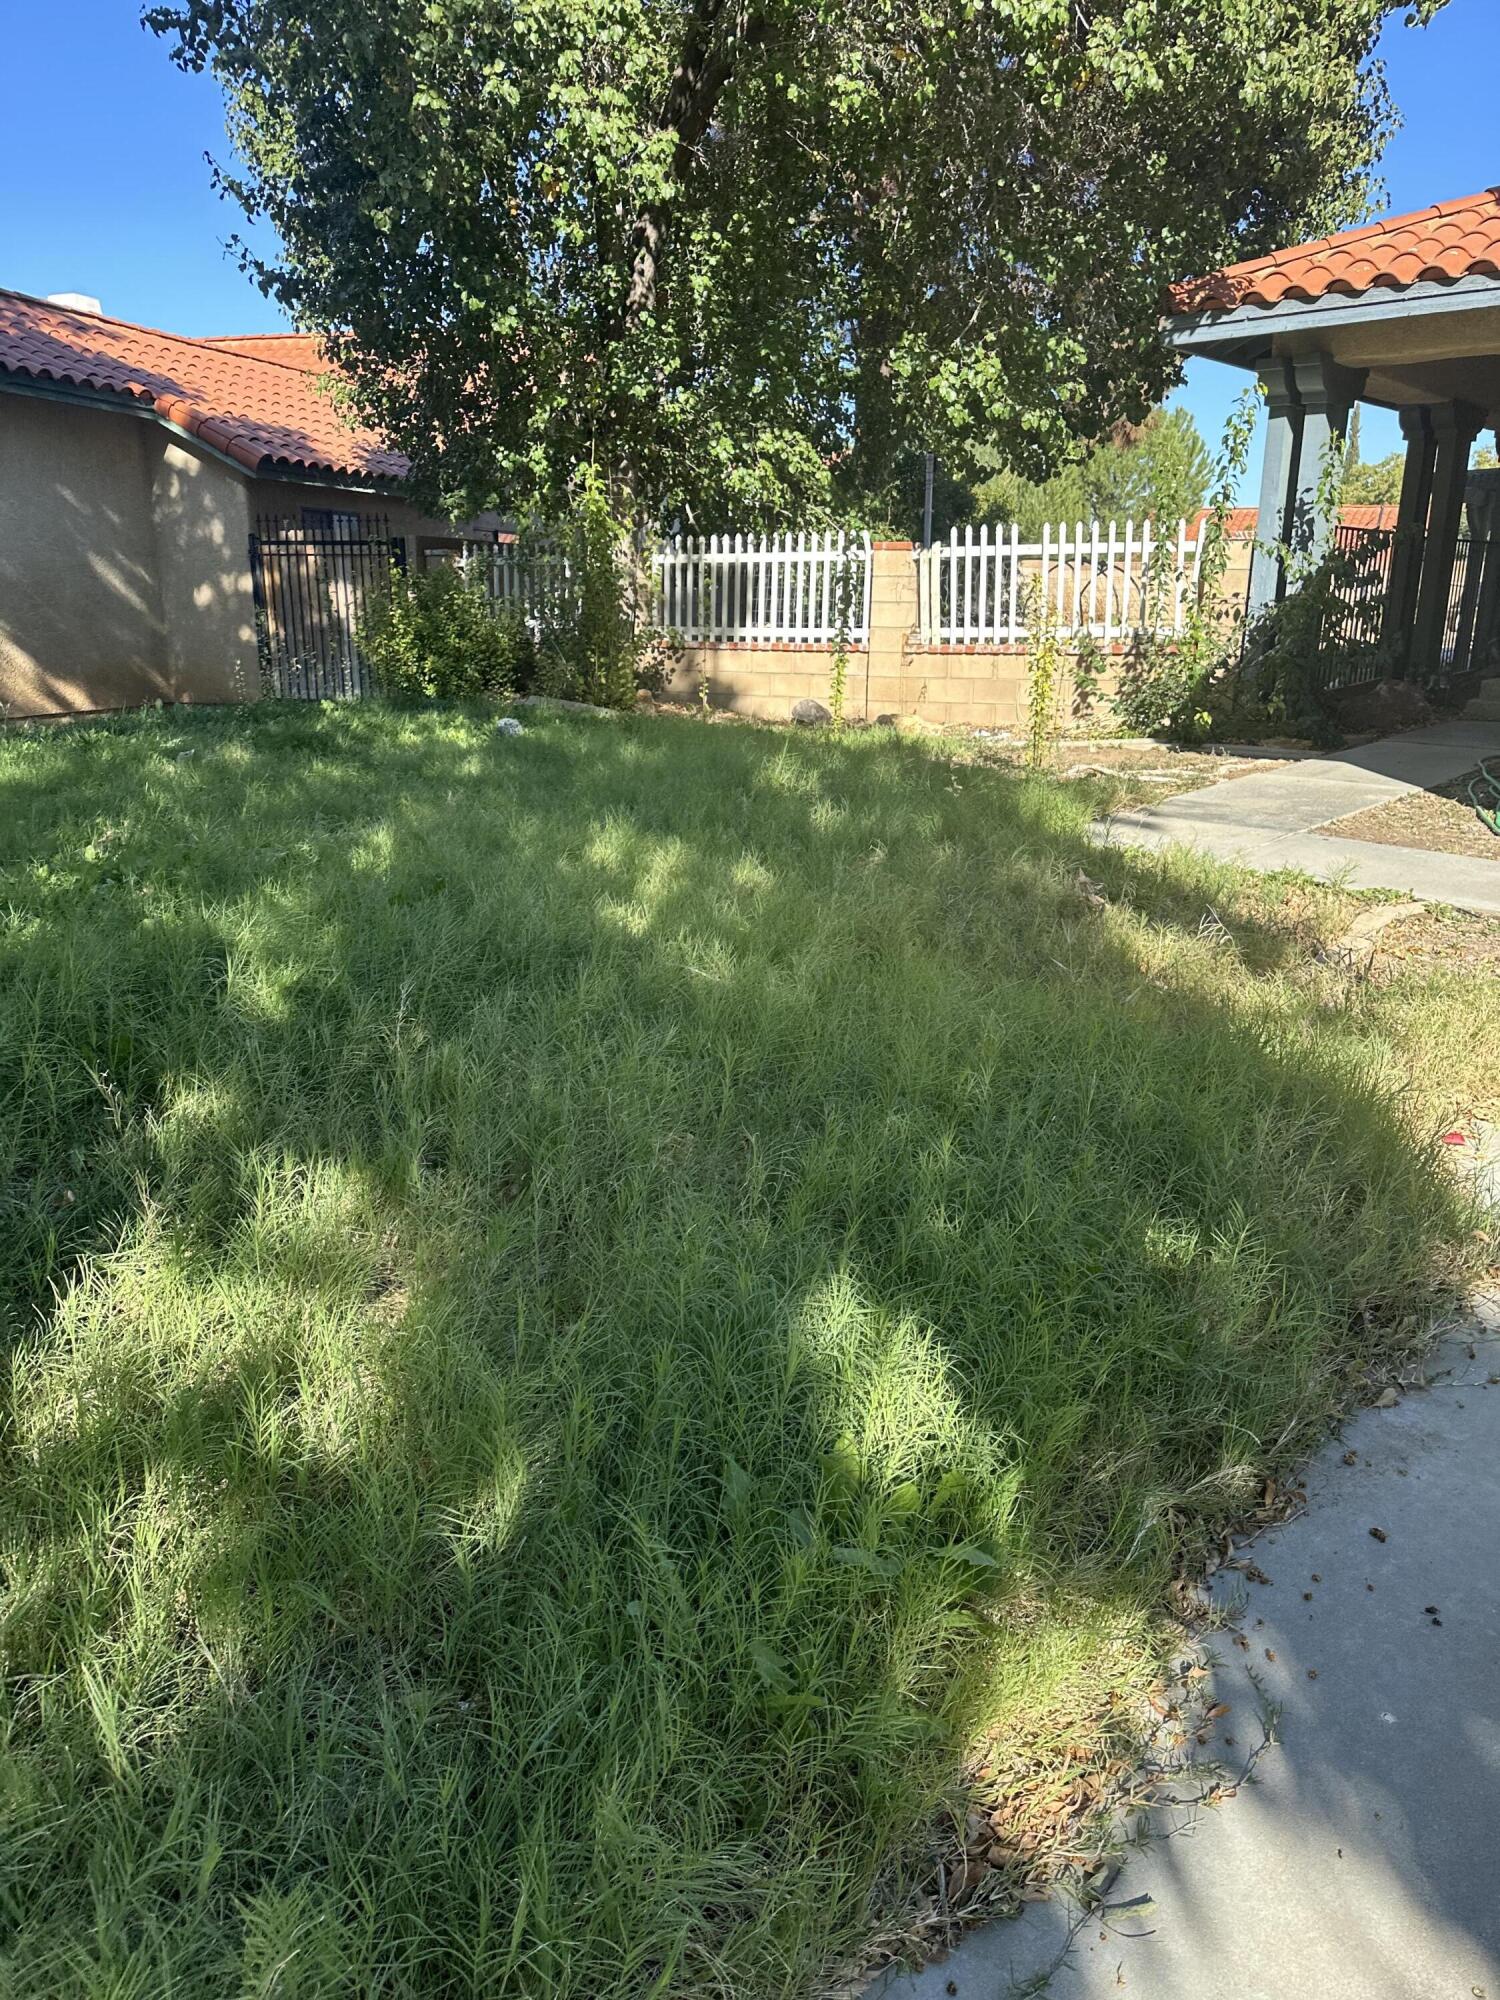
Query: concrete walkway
x=1362 y=1859
x=1267 y=821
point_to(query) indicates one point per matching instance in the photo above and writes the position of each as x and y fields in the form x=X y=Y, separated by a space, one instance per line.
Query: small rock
x=915 y=725
x=809 y=711
x=1377 y=1534
x=1387 y=1400
x=644 y=698
x=508 y=726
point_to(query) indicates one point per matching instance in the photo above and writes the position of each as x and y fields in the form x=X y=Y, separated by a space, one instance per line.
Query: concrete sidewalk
x=1362 y=1859
x=1267 y=821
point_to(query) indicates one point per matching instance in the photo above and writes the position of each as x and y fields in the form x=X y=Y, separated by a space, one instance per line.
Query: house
x=142 y=477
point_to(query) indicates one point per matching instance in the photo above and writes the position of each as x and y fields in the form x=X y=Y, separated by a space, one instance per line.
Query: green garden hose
x=1484 y=795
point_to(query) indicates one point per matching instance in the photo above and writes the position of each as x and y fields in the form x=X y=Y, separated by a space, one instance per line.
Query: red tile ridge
x=1393 y=251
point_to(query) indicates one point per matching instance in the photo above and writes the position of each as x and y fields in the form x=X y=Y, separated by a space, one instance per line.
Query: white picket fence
x=764 y=590
x=800 y=590
x=981 y=587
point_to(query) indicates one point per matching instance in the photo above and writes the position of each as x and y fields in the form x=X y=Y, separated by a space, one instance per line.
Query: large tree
x=749 y=254
x=1160 y=469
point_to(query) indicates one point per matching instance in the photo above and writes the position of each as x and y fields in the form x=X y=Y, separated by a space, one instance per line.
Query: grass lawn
x=586 y=1310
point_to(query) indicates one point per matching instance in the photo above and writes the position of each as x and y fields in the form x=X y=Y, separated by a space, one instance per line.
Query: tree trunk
x=705 y=69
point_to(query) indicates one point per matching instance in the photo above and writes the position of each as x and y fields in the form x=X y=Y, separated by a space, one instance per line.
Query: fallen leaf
x=1387 y=1399
x=1377 y=1534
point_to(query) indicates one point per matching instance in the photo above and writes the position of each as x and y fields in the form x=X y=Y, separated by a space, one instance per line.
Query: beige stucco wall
x=201 y=514
x=123 y=576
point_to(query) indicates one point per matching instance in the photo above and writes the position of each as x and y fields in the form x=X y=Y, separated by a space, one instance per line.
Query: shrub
x=439 y=636
x=596 y=644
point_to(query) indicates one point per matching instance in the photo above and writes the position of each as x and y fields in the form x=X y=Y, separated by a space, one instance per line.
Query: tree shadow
x=503 y=1232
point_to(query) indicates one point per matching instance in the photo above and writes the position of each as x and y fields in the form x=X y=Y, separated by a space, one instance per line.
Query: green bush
x=597 y=645
x=439 y=636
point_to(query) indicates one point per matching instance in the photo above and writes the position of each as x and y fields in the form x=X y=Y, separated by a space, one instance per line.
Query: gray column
x=1327 y=393
x=1278 y=475
x=1485 y=632
x=1454 y=427
x=1411 y=529
x=1479 y=500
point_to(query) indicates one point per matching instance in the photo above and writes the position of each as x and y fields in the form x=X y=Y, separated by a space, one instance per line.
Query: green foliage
x=1044 y=674
x=547 y=1279
x=1158 y=470
x=1168 y=679
x=596 y=645
x=1376 y=483
x=843 y=619
x=437 y=635
x=752 y=256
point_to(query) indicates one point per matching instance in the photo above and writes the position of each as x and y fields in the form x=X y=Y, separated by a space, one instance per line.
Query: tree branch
x=703 y=73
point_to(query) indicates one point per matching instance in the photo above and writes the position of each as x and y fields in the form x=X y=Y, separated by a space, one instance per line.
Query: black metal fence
x=1360 y=580
x=314 y=585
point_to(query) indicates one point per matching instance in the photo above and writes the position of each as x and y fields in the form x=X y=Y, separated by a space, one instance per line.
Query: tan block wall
x=123 y=577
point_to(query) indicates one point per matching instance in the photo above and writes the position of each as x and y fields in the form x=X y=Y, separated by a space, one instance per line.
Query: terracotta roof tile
x=253 y=397
x=294 y=350
x=1241 y=523
x=1440 y=245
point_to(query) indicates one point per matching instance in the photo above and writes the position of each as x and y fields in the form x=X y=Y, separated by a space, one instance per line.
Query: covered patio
x=1403 y=314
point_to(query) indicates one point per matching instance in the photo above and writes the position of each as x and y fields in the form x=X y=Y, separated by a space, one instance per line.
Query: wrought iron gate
x=314 y=584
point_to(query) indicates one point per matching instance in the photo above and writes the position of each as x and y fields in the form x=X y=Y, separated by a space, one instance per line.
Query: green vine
x=843 y=619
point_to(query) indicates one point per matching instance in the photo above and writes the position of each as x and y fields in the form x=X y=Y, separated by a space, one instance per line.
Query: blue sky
x=105 y=188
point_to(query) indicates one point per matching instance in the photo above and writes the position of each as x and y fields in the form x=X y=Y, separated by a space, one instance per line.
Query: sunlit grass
x=565 y=1295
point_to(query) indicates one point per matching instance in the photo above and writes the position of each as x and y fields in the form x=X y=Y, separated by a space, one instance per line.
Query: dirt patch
x=1140 y=774
x=1450 y=939
x=1442 y=820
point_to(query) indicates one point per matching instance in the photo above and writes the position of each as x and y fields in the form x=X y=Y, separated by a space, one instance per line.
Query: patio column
x=1478 y=509
x=1454 y=427
x=1484 y=571
x=1328 y=393
x=1278 y=475
x=1411 y=527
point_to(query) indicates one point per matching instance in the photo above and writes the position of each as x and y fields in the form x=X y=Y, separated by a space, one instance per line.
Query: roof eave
x=207 y=433
x=1237 y=328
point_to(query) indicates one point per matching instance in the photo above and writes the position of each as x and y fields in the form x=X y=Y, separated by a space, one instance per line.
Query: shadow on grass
x=554 y=1280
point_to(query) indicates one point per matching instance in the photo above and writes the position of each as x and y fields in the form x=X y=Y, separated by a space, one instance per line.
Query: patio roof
x=1412 y=302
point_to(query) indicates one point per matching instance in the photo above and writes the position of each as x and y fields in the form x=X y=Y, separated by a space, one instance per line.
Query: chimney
x=75 y=302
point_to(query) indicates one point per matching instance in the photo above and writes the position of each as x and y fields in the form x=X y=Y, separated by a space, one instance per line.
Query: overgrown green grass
x=586 y=1308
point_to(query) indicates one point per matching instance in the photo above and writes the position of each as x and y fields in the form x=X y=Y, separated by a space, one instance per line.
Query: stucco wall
x=123 y=576
x=80 y=609
x=202 y=521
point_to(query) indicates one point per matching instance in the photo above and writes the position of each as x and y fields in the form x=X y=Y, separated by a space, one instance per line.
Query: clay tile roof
x=256 y=398
x=1241 y=523
x=1456 y=239
x=292 y=350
